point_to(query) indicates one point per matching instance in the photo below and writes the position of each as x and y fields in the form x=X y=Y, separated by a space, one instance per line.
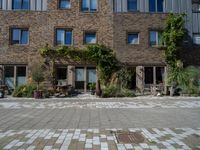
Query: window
x=90 y=38
x=1 y=5
x=84 y=76
x=132 y=5
x=21 y=4
x=89 y=5
x=196 y=39
x=154 y=75
x=64 y=4
x=148 y=75
x=63 y=37
x=61 y=75
x=196 y=7
x=14 y=76
x=79 y=78
x=20 y=36
x=133 y=38
x=156 y=5
x=155 y=38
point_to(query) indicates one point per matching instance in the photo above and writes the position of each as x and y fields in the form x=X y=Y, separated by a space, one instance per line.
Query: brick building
x=132 y=28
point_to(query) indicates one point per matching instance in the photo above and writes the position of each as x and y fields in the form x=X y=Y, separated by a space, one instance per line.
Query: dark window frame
x=1 y=4
x=156 y=8
x=65 y=30
x=84 y=37
x=20 y=40
x=62 y=8
x=89 y=7
x=129 y=33
x=21 y=5
x=129 y=10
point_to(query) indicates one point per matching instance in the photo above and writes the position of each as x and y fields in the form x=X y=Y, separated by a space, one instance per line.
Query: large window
x=156 y=5
x=155 y=38
x=154 y=75
x=20 y=36
x=90 y=38
x=133 y=38
x=14 y=76
x=89 y=5
x=196 y=39
x=21 y=4
x=64 y=4
x=132 y=5
x=64 y=37
x=84 y=76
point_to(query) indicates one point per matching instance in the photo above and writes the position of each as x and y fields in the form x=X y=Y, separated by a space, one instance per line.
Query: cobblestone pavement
x=80 y=139
x=96 y=124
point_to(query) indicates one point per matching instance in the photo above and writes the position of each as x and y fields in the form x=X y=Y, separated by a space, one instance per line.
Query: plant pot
x=37 y=94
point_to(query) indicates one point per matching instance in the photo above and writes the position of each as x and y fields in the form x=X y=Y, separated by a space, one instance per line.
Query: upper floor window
x=133 y=38
x=20 y=36
x=156 y=5
x=155 y=38
x=196 y=39
x=89 y=5
x=196 y=7
x=21 y=4
x=90 y=38
x=64 y=4
x=132 y=5
x=64 y=37
x=1 y=4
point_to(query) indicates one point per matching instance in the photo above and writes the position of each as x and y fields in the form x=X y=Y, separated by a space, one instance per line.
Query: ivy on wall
x=100 y=55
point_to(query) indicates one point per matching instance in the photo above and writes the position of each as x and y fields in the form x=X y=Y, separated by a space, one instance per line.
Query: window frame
x=156 y=7
x=135 y=33
x=89 y=7
x=20 y=36
x=62 y=8
x=1 y=4
x=196 y=44
x=65 y=30
x=157 y=38
x=132 y=10
x=21 y=5
x=89 y=32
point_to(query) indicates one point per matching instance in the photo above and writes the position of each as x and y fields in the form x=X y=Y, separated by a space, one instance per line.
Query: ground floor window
x=14 y=76
x=61 y=75
x=154 y=75
x=84 y=76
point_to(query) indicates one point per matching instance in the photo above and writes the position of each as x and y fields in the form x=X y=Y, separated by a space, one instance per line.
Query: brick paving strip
x=101 y=139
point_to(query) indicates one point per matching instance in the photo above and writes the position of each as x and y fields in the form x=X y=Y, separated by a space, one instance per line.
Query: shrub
x=24 y=91
x=116 y=91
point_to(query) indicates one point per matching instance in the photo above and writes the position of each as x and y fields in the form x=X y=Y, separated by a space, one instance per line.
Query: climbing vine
x=100 y=55
x=173 y=36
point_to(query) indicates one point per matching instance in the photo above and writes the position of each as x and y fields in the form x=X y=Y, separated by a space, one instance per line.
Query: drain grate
x=134 y=137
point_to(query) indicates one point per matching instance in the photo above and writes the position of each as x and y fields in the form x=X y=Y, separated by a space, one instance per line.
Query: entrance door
x=79 y=78
x=61 y=75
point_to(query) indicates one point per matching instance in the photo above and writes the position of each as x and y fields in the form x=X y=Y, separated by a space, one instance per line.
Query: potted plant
x=92 y=87
x=38 y=77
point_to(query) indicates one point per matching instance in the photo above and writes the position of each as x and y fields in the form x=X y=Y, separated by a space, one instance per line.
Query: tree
x=37 y=75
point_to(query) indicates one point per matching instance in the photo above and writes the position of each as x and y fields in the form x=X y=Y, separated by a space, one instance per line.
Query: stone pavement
x=79 y=139
x=78 y=124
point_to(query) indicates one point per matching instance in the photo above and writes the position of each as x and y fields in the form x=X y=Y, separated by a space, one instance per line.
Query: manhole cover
x=134 y=137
